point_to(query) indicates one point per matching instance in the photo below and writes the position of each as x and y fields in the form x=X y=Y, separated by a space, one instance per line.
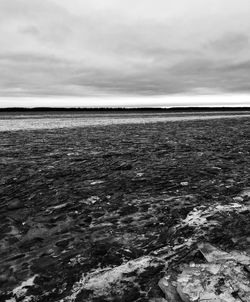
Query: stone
x=213 y=254
x=169 y=290
x=224 y=278
x=202 y=283
x=20 y=291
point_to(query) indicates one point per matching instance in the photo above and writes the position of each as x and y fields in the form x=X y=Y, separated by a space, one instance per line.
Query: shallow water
x=33 y=122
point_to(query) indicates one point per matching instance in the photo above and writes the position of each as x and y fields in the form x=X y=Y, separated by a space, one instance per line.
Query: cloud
x=231 y=42
x=116 y=47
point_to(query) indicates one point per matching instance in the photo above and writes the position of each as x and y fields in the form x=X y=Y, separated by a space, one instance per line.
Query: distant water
x=33 y=122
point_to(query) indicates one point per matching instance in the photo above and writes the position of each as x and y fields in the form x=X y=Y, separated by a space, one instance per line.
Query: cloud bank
x=90 y=48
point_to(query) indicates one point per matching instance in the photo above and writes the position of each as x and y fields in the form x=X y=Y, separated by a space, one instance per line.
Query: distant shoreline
x=124 y=110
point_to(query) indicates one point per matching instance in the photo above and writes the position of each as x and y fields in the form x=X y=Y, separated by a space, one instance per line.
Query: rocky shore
x=122 y=213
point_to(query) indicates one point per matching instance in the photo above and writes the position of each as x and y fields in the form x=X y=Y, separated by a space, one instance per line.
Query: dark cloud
x=230 y=42
x=242 y=67
x=41 y=75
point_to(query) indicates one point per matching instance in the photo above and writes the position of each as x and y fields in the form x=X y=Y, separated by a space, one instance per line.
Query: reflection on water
x=10 y=123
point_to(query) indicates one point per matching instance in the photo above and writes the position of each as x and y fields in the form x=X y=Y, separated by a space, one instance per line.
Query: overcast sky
x=115 y=52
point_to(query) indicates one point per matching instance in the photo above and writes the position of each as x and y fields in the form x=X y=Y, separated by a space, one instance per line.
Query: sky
x=124 y=52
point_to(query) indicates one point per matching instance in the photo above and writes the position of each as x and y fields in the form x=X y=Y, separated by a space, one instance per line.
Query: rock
x=213 y=254
x=15 y=204
x=224 y=278
x=169 y=290
x=21 y=290
x=228 y=282
x=110 y=281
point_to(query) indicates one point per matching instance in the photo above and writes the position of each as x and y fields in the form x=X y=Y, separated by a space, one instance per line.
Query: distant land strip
x=124 y=109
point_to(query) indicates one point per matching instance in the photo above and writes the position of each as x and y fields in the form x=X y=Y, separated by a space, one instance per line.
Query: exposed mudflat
x=103 y=213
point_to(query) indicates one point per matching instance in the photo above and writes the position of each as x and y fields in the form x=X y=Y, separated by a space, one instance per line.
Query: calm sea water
x=32 y=122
